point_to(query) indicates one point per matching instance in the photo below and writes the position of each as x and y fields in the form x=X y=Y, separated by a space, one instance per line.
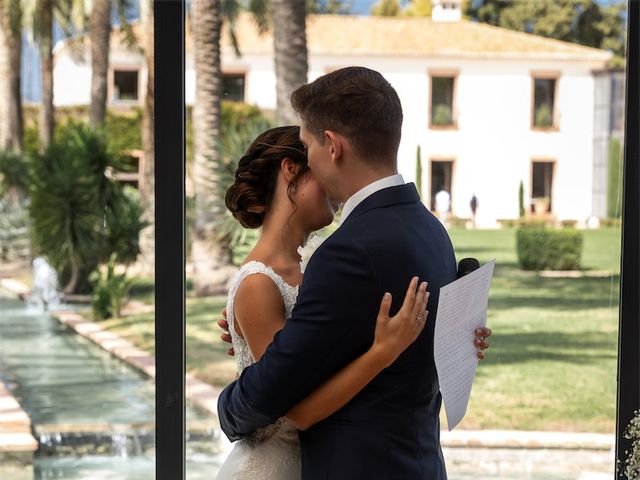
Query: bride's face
x=313 y=205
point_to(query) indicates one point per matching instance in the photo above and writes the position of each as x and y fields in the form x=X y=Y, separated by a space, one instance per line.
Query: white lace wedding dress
x=271 y=453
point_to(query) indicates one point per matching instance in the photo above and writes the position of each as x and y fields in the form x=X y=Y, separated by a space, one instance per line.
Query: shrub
x=79 y=215
x=232 y=147
x=549 y=249
x=568 y=223
x=13 y=173
x=442 y=115
x=534 y=222
x=236 y=117
x=507 y=222
x=109 y=290
x=418 y=171
x=611 y=222
x=543 y=116
x=521 y=210
x=124 y=131
x=614 y=179
x=458 y=222
x=123 y=226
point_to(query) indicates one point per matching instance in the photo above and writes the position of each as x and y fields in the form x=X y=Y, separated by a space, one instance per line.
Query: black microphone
x=467 y=265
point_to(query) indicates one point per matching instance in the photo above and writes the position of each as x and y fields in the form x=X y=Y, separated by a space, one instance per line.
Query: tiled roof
x=406 y=36
x=416 y=37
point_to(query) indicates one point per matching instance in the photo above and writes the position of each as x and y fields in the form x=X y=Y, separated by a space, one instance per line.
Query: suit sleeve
x=332 y=323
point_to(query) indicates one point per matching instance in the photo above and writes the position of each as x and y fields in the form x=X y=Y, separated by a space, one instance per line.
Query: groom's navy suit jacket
x=390 y=430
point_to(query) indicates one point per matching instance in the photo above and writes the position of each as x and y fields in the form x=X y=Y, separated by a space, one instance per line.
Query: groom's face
x=319 y=158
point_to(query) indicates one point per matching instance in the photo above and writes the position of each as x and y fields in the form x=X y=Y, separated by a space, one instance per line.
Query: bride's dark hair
x=250 y=196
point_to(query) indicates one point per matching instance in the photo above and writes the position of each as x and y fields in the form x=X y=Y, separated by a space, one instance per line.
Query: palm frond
x=232 y=147
x=230 y=10
x=13 y=11
x=259 y=10
x=71 y=15
x=79 y=214
x=128 y=36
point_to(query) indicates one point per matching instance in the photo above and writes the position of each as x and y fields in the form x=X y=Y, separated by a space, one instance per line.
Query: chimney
x=446 y=10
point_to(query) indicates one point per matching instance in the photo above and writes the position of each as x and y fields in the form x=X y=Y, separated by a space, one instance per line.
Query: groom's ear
x=335 y=145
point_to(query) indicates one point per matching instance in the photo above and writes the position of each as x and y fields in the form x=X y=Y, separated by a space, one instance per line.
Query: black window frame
x=170 y=281
x=628 y=398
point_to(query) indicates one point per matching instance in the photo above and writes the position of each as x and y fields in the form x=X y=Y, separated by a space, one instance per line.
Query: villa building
x=488 y=107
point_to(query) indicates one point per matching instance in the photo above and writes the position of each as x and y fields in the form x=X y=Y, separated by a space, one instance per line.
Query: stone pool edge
x=201 y=394
x=17 y=444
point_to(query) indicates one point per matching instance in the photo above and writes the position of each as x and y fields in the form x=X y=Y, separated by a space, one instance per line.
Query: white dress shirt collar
x=360 y=195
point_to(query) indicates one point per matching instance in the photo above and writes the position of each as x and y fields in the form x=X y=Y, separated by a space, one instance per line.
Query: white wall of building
x=493 y=146
x=71 y=79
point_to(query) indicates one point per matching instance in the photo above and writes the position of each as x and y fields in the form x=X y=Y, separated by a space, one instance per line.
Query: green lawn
x=552 y=362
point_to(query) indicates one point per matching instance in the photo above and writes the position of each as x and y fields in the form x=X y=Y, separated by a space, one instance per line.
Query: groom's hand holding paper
x=462 y=307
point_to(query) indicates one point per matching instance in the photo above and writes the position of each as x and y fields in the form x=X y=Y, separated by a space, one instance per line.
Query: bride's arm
x=259 y=313
x=392 y=336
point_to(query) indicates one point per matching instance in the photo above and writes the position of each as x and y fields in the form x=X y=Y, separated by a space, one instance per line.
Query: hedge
x=549 y=249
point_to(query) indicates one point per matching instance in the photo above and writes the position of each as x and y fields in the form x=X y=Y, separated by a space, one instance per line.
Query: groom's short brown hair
x=358 y=103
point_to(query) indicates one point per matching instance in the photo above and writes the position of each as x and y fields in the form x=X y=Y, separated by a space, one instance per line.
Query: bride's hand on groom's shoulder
x=394 y=334
x=225 y=336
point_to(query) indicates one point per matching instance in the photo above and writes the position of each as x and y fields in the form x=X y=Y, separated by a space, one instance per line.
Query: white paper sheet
x=462 y=307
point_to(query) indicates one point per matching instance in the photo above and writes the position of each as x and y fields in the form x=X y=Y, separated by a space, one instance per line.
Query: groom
x=351 y=124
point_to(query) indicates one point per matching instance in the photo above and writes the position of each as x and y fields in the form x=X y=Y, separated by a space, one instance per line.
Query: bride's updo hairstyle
x=250 y=196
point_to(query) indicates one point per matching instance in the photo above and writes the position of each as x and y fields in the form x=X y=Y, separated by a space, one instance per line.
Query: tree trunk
x=146 y=262
x=211 y=257
x=99 y=32
x=74 y=279
x=45 y=41
x=11 y=127
x=290 y=53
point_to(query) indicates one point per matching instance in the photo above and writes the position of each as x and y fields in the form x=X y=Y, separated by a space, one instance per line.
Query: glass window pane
x=77 y=390
x=549 y=377
x=544 y=101
x=233 y=87
x=442 y=100
x=125 y=85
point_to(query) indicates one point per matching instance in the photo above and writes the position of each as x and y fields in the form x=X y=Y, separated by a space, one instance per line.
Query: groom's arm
x=332 y=323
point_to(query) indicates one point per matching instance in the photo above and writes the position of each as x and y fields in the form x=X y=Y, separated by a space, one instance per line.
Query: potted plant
x=541 y=205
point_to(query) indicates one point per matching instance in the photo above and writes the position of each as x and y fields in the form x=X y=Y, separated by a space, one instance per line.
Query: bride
x=274 y=189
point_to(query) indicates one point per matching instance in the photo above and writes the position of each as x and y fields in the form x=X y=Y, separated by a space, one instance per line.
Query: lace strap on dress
x=243 y=355
x=250 y=268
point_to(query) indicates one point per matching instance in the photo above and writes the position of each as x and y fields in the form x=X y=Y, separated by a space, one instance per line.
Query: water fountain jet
x=45 y=291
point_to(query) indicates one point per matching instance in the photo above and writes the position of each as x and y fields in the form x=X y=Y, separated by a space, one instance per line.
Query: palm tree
x=99 y=27
x=71 y=14
x=11 y=127
x=147 y=236
x=99 y=33
x=290 y=52
x=43 y=32
x=210 y=254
